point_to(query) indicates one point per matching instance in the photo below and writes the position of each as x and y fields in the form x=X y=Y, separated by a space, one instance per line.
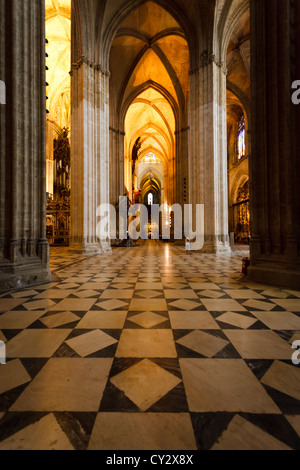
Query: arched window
x=150 y=199
x=241 y=141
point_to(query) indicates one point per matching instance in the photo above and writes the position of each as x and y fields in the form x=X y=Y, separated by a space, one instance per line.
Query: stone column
x=208 y=151
x=274 y=162
x=116 y=160
x=24 y=250
x=89 y=153
x=181 y=166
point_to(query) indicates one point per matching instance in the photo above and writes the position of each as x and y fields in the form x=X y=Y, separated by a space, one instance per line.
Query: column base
x=91 y=249
x=213 y=245
x=215 y=249
x=275 y=275
x=22 y=276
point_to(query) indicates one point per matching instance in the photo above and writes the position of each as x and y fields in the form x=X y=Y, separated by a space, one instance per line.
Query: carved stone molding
x=116 y=131
x=207 y=59
x=181 y=131
x=84 y=60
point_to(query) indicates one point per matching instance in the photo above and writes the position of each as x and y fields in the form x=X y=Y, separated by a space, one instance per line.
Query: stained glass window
x=150 y=199
x=241 y=143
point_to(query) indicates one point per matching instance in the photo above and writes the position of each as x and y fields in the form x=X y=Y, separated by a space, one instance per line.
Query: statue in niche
x=135 y=153
x=62 y=159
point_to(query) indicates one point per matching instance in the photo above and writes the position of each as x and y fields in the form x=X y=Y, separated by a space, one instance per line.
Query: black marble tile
x=37 y=325
x=34 y=365
x=8 y=398
x=12 y=423
x=286 y=404
x=275 y=425
x=120 y=364
x=110 y=351
x=77 y=427
x=10 y=334
x=228 y=352
x=130 y=325
x=185 y=352
x=174 y=401
x=65 y=351
x=208 y=427
x=114 y=400
x=259 y=367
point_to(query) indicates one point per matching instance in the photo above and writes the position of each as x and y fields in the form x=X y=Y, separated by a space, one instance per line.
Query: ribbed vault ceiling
x=149 y=73
x=58 y=33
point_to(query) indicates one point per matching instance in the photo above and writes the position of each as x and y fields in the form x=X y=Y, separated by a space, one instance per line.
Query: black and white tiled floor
x=151 y=349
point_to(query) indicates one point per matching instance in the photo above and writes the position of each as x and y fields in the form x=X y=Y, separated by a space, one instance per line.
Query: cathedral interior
x=116 y=344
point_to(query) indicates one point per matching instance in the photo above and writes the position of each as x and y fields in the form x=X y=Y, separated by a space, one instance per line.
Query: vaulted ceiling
x=149 y=67
x=58 y=34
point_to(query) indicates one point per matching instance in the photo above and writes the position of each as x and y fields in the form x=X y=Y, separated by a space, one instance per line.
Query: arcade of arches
x=166 y=102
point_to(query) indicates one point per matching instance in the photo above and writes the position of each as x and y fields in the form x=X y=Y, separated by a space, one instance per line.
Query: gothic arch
x=108 y=36
x=227 y=15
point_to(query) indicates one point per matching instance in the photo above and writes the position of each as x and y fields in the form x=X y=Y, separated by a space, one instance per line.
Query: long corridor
x=149 y=348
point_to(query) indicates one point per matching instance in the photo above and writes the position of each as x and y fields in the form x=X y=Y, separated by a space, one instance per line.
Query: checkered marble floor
x=149 y=348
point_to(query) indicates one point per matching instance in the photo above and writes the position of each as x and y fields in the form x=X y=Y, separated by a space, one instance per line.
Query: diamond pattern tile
x=148 y=348
x=145 y=383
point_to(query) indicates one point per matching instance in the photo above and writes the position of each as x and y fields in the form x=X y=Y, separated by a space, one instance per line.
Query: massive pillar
x=274 y=162
x=89 y=153
x=24 y=250
x=208 y=151
x=116 y=150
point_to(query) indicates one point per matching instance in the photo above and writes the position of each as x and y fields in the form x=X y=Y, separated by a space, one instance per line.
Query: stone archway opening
x=149 y=95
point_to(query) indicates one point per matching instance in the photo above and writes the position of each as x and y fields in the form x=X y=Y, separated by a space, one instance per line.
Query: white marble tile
x=12 y=375
x=66 y=384
x=148 y=294
x=148 y=319
x=180 y=294
x=36 y=343
x=203 y=343
x=145 y=383
x=103 y=320
x=192 y=320
x=243 y=435
x=236 y=319
x=283 y=377
x=18 y=320
x=45 y=434
x=74 y=305
x=24 y=293
x=149 y=285
x=93 y=285
x=89 y=343
x=146 y=343
x=112 y=304
x=294 y=421
x=292 y=305
x=150 y=304
x=59 y=319
x=2 y=337
x=143 y=431
x=117 y=294
x=259 y=344
x=222 y=305
x=279 y=320
x=257 y=304
x=241 y=294
x=54 y=294
x=39 y=304
x=204 y=286
x=9 y=304
x=219 y=385
x=185 y=304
